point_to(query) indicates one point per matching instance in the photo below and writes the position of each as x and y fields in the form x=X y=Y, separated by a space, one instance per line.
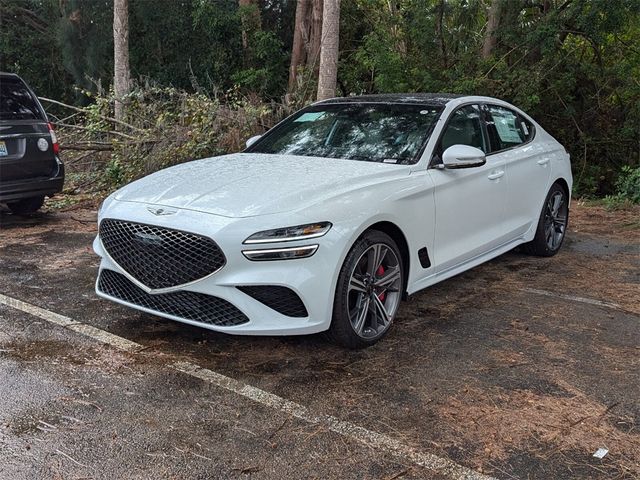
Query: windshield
x=371 y=132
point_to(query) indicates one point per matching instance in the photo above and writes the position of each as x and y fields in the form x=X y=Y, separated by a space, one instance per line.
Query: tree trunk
x=315 y=35
x=245 y=41
x=491 y=34
x=250 y=20
x=396 y=31
x=440 y=32
x=300 y=41
x=328 y=74
x=121 y=73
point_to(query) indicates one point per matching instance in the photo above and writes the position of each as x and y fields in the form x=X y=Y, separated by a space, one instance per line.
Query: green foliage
x=628 y=184
x=571 y=64
x=189 y=44
x=85 y=41
x=627 y=189
x=166 y=126
x=269 y=66
x=27 y=46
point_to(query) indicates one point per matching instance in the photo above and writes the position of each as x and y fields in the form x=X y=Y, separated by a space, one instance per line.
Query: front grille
x=160 y=257
x=281 y=299
x=188 y=305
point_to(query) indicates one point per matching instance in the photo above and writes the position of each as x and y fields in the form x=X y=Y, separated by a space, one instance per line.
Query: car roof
x=439 y=99
x=9 y=76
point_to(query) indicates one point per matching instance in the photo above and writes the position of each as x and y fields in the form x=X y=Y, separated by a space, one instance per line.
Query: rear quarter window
x=17 y=102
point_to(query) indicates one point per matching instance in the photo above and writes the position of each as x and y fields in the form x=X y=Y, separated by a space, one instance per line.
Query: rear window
x=16 y=102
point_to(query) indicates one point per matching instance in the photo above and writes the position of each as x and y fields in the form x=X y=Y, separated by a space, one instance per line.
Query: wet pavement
x=479 y=369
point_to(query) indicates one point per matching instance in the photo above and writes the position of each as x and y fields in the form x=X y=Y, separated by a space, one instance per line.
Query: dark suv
x=29 y=165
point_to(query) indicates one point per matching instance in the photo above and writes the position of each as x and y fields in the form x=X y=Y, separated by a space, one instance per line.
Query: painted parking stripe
x=574 y=298
x=84 y=329
x=375 y=440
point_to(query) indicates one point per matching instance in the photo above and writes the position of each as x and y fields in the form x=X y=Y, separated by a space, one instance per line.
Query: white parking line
x=574 y=298
x=375 y=440
x=88 y=330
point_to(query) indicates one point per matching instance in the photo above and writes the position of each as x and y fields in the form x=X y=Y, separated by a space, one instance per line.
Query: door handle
x=495 y=175
x=543 y=162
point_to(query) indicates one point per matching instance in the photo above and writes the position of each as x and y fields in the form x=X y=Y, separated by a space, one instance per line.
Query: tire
x=26 y=206
x=552 y=224
x=372 y=270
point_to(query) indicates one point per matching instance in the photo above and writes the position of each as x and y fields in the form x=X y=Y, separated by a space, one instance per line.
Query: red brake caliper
x=380 y=273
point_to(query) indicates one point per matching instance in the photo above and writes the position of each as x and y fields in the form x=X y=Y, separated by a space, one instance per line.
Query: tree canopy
x=574 y=65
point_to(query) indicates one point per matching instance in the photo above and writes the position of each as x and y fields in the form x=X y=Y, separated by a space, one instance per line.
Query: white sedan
x=327 y=221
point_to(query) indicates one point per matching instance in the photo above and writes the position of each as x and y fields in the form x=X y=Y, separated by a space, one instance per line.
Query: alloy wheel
x=555 y=220
x=374 y=291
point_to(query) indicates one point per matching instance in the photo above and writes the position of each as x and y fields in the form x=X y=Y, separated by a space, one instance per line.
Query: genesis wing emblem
x=160 y=211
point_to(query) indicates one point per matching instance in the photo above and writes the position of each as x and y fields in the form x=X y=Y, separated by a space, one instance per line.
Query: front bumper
x=33 y=187
x=312 y=279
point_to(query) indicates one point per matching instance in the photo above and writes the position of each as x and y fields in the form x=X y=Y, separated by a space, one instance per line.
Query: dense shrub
x=627 y=189
x=164 y=126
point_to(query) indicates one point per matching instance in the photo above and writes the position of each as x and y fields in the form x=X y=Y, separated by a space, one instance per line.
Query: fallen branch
x=78 y=127
x=88 y=147
x=83 y=110
x=78 y=160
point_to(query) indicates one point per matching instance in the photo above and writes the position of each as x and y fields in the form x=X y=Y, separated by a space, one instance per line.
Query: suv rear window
x=16 y=102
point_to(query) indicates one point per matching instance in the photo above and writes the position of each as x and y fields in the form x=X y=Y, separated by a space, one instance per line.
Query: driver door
x=470 y=202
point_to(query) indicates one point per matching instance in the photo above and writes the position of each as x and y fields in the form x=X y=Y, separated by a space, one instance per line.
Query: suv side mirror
x=463 y=156
x=253 y=140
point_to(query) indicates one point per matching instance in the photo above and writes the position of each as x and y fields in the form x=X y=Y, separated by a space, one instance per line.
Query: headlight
x=288 y=253
x=289 y=234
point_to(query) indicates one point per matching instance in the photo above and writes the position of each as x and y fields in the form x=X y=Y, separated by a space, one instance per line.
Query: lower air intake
x=194 y=306
x=282 y=299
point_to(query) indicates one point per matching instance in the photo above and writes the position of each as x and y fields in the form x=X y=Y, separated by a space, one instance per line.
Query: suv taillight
x=54 y=140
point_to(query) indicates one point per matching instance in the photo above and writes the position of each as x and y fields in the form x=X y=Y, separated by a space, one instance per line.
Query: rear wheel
x=552 y=224
x=369 y=291
x=26 y=205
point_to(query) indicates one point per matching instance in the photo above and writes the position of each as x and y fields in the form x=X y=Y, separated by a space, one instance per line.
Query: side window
x=464 y=127
x=506 y=128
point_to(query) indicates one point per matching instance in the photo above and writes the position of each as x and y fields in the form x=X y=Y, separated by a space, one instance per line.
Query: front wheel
x=552 y=224
x=369 y=291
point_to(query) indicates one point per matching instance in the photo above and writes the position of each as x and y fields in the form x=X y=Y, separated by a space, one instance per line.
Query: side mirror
x=253 y=140
x=463 y=156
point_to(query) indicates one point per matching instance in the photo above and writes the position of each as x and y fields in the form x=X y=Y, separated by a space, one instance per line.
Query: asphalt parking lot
x=520 y=368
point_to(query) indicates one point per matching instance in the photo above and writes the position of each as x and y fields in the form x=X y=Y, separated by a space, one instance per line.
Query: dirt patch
x=621 y=224
x=610 y=278
x=501 y=422
x=81 y=219
x=103 y=358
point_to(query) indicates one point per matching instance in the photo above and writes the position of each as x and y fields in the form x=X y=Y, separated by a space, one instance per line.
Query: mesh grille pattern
x=160 y=257
x=188 y=305
x=281 y=299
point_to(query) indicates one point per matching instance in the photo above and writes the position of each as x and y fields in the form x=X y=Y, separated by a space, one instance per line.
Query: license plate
x=3 y=149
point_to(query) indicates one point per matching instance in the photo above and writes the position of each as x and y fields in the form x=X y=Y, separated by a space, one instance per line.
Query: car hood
x=248 y=184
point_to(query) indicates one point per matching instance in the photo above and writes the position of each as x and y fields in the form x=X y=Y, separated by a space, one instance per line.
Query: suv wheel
x=26 y=206
x=369 y=291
